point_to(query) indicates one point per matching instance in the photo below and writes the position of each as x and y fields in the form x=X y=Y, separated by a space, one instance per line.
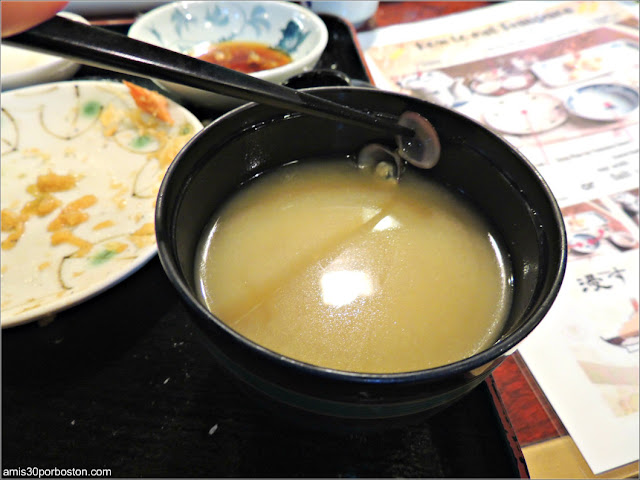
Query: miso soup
x=334 y=266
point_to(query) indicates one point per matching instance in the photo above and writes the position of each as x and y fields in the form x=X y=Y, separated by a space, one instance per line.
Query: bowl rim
x=40 y=73
x=478 y=360
x=295 y=66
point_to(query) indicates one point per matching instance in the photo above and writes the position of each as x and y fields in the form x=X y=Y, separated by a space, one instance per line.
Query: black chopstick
x=106 y=49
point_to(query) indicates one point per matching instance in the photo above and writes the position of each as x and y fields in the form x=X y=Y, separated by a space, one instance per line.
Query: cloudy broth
x=329 y=264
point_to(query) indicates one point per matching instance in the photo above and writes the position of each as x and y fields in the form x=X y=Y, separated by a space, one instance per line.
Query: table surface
x=123 y=382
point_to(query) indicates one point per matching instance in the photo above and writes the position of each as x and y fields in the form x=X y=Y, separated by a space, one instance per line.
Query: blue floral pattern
x=218 y=17
x=292 y=36
x=180 y=20
x=257 y=19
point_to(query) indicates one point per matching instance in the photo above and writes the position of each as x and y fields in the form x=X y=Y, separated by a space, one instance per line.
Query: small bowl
x=476 y=162
x=603 y=102
x=183 y=26
x=22 y=67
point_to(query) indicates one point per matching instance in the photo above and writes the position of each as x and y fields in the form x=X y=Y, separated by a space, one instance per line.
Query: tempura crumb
x=150 y=102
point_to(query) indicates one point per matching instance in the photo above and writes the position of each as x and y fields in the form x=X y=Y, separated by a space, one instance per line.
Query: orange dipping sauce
x=245 y=57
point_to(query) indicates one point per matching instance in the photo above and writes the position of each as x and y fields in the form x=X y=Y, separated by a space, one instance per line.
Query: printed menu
x=559 y=81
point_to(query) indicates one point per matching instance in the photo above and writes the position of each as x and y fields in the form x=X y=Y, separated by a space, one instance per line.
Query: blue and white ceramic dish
x=605 y=102
x=186 y=26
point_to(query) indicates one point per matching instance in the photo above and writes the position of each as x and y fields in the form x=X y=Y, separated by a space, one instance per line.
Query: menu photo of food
x=583 y=64
x=510 y=74
x=593 y=228
x=626 y=336
x=544 y=94
x=435 y=86
x=628 y=202
x=455 y=85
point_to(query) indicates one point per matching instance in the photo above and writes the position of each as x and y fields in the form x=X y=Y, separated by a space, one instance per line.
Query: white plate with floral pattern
x=82 y=163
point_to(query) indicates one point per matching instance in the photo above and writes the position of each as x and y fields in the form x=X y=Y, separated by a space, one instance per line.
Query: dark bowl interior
x=474 y=161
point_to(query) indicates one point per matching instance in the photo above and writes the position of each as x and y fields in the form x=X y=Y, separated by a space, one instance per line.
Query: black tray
x=122 y=382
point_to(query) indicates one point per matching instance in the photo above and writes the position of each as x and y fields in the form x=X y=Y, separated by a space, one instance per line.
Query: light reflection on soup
x=330 y=265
